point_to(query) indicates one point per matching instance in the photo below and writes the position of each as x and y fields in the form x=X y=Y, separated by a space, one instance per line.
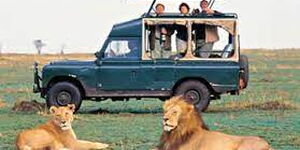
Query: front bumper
x=37 y=79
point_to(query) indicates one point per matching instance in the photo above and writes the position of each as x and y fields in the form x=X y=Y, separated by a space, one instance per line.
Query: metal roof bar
x=151 y=7
x=211 y=3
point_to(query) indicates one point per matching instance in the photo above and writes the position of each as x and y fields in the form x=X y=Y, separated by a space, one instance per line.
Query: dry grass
x=255 y=105
x=30 y=106
x=261 y=100
x=18 y=90
x=296 y=66
x=15 y=59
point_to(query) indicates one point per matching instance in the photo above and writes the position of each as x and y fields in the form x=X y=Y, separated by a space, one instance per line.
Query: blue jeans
x=181 y=46
x=202 y=47
x=159 y=51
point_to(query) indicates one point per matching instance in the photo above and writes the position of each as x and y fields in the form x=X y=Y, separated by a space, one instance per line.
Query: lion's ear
x=52 y=109
x=72 y=107
x=191 y=108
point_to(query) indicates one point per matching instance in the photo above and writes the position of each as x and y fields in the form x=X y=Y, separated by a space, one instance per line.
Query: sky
x=83 y=25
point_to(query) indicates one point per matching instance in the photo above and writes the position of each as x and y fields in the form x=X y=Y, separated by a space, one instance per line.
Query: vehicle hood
x=72 y=63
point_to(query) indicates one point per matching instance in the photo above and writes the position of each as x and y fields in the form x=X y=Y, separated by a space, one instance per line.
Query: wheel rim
x=63 y=98
x=193 y=96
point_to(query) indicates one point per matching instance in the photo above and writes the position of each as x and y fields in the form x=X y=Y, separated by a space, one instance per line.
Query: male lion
x=184 y=129
x=56 y=134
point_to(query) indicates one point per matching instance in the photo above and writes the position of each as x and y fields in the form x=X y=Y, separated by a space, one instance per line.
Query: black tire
x=244 y=64
x=195 y=92
x=64 y=93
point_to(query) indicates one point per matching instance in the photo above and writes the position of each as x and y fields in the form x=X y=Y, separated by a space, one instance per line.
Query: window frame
x=235 y=42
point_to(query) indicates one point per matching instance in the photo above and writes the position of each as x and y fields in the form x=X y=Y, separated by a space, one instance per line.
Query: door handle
x=133 y=75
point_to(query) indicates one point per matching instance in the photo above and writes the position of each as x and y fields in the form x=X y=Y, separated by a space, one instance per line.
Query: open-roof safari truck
x=126 y=68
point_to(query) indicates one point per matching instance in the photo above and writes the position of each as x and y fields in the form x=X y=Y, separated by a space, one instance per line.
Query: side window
x=123 y=49
x=212 y=42
x=159 y=40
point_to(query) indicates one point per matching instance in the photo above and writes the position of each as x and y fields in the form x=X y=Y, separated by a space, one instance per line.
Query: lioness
x=56 y=134
x=184 y=129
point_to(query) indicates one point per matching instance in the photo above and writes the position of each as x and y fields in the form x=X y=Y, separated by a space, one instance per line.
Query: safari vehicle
x=124 y=67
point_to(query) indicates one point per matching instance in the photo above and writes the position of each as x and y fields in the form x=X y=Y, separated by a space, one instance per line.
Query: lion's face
x=171 y=117
x=176 y=111
x=63 y=116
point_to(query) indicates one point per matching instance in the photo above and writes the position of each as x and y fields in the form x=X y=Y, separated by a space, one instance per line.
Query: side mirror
x=99 y=54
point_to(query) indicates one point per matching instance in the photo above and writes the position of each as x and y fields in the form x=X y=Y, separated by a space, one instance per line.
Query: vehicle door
x=156 y=63
x=119 y=65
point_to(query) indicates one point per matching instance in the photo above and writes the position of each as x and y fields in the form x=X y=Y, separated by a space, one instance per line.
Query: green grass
x=275 y=77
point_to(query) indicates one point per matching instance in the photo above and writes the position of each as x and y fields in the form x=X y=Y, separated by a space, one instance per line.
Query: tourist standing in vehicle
x=184 y=9
x=160 y=36
x=182 y=36
x=206 y=35
x=160 y=9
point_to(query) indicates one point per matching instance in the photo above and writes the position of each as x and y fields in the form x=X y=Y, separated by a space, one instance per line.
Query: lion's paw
x=101 y=145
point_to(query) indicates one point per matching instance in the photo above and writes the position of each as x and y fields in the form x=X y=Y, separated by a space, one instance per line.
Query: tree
x=63 y=46
x=39 y=45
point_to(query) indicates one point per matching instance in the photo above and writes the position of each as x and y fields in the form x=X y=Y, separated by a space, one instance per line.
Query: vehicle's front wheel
x=62 y=94
x=195 y=92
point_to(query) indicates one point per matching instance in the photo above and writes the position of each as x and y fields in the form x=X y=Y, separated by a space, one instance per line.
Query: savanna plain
x=269 y=107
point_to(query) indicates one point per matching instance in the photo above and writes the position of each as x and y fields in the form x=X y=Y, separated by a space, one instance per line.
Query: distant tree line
x=39 y=44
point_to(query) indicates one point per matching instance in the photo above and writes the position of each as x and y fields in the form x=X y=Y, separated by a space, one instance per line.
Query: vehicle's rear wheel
x=244 y=76
x=195 y=92
x=62 y=94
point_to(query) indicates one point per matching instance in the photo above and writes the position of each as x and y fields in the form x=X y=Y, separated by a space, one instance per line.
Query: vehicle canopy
x=134 y=28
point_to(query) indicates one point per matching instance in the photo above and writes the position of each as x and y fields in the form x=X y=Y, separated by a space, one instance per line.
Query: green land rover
x=125 y=66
